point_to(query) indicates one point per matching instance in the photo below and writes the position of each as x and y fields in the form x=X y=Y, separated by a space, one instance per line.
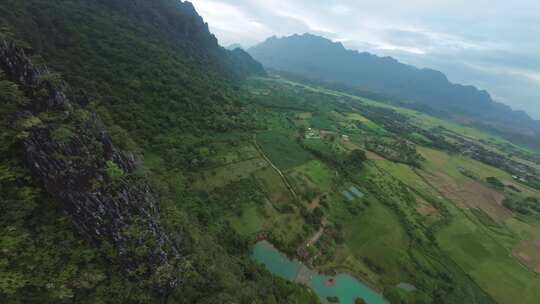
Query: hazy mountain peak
x=234 y=46
x=306 y=40
x=321 y=59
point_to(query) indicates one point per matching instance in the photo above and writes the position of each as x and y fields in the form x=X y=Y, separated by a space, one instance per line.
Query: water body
x=345 y=287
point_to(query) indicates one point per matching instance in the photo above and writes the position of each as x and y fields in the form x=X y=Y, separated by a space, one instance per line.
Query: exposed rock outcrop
x=69 y=152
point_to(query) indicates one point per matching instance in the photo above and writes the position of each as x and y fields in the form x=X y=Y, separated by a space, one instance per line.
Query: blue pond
x=345 y=287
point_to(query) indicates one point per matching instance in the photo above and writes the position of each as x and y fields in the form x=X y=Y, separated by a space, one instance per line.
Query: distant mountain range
x=321 y=59
x=234 y=46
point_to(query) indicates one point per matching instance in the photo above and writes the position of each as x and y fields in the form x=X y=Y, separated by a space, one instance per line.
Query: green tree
x=360 y=301
x=495 y=182
x=357 y=157
x=113 y=171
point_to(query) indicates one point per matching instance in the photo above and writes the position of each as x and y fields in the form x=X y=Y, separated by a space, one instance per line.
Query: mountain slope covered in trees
x=120 y=94
x=320 y=59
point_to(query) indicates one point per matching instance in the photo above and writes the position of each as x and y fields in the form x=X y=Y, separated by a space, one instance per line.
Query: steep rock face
x=69 y=152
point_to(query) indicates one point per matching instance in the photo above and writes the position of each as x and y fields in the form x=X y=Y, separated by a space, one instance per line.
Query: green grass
x=323 y=122
x=377 y=234
x=320 y=175
x=329 y=150
x=406 y=175
x=450 y=164
x=223 y=153
x=484 y=218
x=525 y=230
x=219 y=177
x=490 y=264
x=439 y=161
x=286 y=228
x=249 y=223
x=272 y=185
x=282 y=150
x=366 y=122
x=232 y=136
x=304 y=115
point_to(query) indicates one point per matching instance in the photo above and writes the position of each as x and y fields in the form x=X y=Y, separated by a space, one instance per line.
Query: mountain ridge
x=319 y=58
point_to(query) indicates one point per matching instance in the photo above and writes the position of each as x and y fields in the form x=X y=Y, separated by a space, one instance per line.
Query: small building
x=312 y=134
x=406 y=286
x=347 y=195
x=356 y=192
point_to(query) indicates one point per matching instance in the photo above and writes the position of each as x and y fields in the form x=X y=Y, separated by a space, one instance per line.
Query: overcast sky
x=493 y=44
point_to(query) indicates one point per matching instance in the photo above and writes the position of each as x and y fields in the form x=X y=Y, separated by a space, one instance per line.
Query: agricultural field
x=377 y=235
x=436 y=224
x=282 y=149
x=313 y=176
x=370 y=125
x=273 y=185
x=221 y=176
x=528 y=252
x=489 y=263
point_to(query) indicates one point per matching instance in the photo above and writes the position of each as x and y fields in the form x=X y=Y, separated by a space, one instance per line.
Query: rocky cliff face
x=69 y=152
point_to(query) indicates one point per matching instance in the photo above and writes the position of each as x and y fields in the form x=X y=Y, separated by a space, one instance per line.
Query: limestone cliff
x=70 y=154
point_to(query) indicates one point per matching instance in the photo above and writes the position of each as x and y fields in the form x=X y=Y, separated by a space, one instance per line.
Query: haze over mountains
x=318 y=58
x=494 y=51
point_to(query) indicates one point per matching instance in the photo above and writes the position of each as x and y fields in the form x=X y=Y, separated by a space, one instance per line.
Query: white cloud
x=476 y=42
x=230 y=23
x=340 y=9
x=391 y=47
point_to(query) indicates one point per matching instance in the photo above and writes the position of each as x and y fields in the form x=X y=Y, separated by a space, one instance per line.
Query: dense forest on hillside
x=159 y=82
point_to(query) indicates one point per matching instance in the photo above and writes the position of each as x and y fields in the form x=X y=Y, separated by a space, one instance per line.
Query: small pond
x=344 y=286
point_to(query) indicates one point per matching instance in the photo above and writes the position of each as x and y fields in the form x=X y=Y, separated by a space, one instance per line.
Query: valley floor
x=410 y=213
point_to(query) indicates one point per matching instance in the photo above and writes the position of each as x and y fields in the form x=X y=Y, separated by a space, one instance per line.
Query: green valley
x=434 y=222
x=141 y=162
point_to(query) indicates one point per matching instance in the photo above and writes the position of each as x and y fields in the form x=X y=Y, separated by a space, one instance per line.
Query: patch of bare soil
x=528 y=252
x=315 y=202
x=424 y=208
x=445 y=185
x=374 y=156
x=477 y=195
x=469 y=194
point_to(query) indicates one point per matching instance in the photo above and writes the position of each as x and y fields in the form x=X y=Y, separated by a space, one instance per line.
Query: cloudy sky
x=493 y=44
